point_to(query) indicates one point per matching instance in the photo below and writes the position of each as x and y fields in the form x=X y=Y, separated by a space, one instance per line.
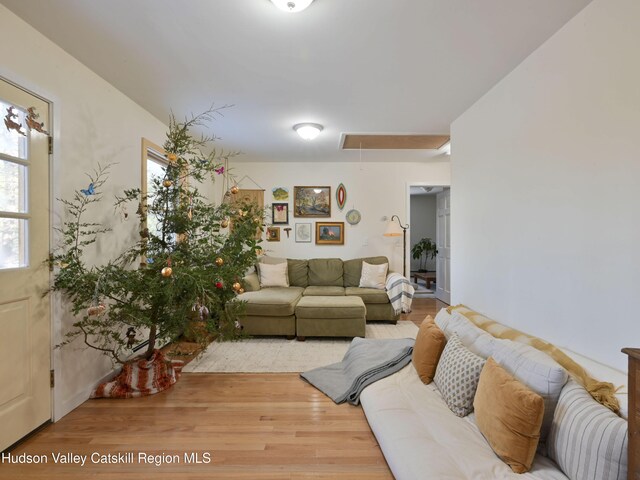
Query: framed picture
x=303 y=233
x=329 y=233
x=311 y=201
x=280 y=213
x=273 y=234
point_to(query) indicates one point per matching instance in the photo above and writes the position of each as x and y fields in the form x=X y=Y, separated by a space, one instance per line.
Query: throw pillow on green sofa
x=353 y=269
x=325 y=272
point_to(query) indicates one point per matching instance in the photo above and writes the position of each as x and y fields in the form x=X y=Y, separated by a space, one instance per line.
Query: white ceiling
x=359 y=66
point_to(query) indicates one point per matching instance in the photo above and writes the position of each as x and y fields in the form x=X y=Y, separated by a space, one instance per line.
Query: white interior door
x=443 y=239
x=25 y=346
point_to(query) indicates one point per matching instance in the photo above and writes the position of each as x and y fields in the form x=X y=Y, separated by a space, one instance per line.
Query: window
x=14 y=208
x=154 y=164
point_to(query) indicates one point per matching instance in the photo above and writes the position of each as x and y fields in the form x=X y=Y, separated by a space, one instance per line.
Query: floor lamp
x=395 y=230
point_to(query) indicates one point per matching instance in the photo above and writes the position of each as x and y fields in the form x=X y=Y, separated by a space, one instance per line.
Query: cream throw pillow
x=273 y=275
x=374 y=276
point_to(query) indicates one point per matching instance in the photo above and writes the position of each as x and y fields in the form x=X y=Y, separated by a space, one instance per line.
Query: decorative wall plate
x=353 y=217
x=341 y=196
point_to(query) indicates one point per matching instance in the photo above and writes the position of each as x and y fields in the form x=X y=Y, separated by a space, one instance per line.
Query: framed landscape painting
x=329 y=233
x=280 y=213
x=312 y=201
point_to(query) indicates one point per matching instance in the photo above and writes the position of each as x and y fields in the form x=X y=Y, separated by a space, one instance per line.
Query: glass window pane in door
x=13 y=187
x=13 y=242
x=11 y=142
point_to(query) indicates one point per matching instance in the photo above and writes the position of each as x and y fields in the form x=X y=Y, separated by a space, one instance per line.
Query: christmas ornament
x=236 y=286
x=96 y=309
x=131 y=337
x=219 y=261
x=90 y=190
x=241 y=290
x=224 y=223
x=166 y=272
x=10 y=124
x=219 y=285
x=167 y=183
x=172 y=157
x=241 y=213
x=234 y=189
x=32 y=121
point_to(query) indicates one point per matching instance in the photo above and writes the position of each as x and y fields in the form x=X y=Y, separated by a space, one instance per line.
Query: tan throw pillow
x=509 y=415
x=430 y=342
x=273 y=275
x=374 y=276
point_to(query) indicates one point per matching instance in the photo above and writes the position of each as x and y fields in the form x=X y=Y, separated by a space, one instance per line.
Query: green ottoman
x=324 y=316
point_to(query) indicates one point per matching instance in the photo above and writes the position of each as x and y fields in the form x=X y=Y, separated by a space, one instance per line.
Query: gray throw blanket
x=366 y=361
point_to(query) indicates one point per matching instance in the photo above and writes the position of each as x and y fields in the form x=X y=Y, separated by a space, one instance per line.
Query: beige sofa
x=272 y=310
x=421 y=438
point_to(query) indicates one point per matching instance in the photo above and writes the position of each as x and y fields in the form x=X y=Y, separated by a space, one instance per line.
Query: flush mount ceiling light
x=292 y=6
x=308 y=131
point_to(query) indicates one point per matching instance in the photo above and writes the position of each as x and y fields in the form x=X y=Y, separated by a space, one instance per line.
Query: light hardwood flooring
x=254 y=426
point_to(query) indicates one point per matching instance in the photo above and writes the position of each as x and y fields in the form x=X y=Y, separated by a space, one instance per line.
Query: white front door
x=443 y=240
x=25 y=345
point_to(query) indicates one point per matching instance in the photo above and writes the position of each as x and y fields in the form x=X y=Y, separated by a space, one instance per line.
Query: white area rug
x=277 y=354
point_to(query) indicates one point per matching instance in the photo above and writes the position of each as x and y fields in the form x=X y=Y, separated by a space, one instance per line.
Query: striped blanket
x=400 y=292
x=141 y=377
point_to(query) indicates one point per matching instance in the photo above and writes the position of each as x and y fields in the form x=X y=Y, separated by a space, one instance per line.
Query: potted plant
x=423 y=250
x=186 y=266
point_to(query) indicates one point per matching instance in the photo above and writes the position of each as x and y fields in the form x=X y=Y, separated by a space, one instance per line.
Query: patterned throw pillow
x=587 y=440
x=457 y=376
x=374 y=276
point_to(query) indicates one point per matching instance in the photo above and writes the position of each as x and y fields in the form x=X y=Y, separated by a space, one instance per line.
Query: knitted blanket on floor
x=366 y=361
x=141 y=378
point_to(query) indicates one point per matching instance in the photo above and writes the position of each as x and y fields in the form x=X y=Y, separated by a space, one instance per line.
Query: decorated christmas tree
x=186 y=266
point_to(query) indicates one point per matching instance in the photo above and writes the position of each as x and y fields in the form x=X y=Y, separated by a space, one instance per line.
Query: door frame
x=52 y=197
x=408 y=212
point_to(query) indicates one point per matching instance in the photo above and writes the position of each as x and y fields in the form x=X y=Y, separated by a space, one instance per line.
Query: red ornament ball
x=219 y=285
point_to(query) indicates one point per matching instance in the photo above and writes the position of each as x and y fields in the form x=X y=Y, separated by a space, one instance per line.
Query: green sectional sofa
x=272 y=310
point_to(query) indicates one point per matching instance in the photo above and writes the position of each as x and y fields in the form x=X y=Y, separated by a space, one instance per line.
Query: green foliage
x=131 y=290
x=425 y=249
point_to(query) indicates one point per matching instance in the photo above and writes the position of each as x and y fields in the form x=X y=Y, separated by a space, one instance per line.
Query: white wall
x=376 y=189
x=423 y=222
x=546 y=169
x=93 y=122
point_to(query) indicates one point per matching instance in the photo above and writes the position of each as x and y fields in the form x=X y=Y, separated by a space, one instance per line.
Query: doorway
x=429 y=245
x=25 y=317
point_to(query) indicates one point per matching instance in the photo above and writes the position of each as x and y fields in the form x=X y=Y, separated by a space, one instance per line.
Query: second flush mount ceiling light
x=292 y=6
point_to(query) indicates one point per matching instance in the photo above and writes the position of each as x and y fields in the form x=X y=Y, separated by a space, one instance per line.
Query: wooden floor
x=254 y=426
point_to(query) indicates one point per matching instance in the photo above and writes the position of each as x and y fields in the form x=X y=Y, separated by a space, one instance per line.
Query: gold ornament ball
x=236 y=286
x=166 y=272
x=172 y=157
x=219 y=261
x=167 y=183
x=224 y=223
x=234 y=189
x=241 y=290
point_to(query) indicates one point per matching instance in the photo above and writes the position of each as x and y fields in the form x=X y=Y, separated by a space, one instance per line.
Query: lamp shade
x=292 y=6
x=393 y=229
x=308 y=131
